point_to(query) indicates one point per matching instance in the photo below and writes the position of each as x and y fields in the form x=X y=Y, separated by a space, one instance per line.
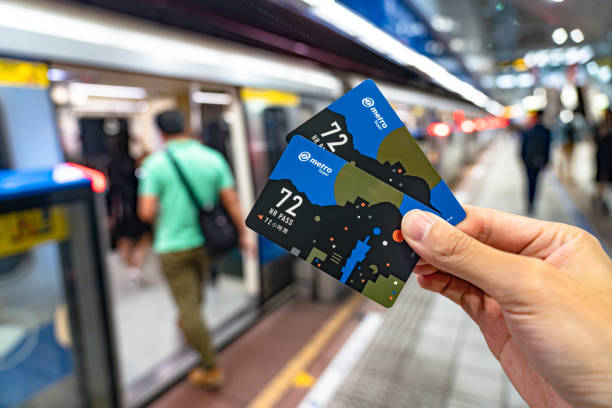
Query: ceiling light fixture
x=442 y=24
x=559 y=36
x=605 y=73
x=566 y=116
x=577 y=35
x=108 y=91
x=211 y=98
x=592 y=68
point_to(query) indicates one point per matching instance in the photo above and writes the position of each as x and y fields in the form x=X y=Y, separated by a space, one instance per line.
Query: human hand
x=540 y=292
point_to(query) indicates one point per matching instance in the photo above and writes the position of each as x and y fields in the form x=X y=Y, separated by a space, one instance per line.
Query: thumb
x=500 y=274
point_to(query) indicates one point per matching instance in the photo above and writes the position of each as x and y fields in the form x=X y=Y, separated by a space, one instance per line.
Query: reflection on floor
x=146 y=319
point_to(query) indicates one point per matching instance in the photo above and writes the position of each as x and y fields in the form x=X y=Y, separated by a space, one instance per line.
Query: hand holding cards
x=338 y=204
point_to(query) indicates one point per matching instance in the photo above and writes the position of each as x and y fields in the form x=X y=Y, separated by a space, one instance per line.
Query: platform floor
x=424 y=352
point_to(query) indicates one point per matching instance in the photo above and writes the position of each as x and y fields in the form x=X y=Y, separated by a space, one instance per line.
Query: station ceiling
x=503 y=31
x=268 y=25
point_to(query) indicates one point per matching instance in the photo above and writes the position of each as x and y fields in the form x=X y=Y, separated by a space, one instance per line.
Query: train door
x=271 y=114
x=107 y=121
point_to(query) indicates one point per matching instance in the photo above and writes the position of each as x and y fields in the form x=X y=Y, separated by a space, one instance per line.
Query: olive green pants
x=185 y=272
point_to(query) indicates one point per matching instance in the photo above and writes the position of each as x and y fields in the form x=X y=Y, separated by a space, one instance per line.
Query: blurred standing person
x=603 y=161
x=177 y=236
x=129 y=235
x=569 y=135
x=535 y=152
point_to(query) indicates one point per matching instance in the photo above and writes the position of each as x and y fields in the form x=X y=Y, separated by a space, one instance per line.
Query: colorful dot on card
x=385 y=243
x=319 y=265
x=397 y=236
x=331 y=239
x=399 y=170
x=317 y=218
x=388 y=264
x=390 y=297
x=346 y=228
x=363 y=281
x=363 y=204
x=376 y=231
x=395 y=282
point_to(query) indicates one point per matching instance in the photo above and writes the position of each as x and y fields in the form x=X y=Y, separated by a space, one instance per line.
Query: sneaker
x=211 y=379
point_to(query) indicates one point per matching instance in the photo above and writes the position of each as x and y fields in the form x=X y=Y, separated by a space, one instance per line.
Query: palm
x=528 y=382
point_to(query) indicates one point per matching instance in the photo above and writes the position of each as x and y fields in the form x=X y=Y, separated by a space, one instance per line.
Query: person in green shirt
x=164 y=201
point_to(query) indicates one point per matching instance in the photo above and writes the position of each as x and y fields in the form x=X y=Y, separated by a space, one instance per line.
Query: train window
x=275 y=128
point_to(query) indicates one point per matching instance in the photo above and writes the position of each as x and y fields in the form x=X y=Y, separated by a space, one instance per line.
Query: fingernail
x=418 y=224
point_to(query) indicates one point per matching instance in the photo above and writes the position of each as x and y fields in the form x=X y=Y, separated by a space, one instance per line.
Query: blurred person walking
x=178 y=237
x=603 y=161
x=129 y=235
x=535 y=153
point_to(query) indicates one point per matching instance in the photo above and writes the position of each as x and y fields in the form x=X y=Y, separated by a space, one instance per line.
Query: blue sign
x=397 y=19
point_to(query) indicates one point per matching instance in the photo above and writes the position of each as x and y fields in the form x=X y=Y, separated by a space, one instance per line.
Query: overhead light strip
x=373 y=37
x=108 y=91
x=211 y=98
x=180 y=51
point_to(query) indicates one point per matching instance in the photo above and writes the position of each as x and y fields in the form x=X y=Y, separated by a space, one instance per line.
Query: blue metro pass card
x=339 y=218
x=361 y=127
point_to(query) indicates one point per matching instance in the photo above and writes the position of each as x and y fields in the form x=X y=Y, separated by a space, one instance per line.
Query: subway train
x=86 y=86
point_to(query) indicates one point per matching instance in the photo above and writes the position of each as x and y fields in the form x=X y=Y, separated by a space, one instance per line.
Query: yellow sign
x=270 y=96
x=21 y=230
x=21 y=73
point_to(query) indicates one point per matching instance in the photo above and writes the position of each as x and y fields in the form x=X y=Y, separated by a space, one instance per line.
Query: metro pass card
x=361 y=127
x=339 y=218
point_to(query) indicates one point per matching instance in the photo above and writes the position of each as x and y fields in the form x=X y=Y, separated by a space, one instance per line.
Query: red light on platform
x=468 y=126
x=481 y=124
x=458 y=116
x=439 y=129
x=98 y=180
